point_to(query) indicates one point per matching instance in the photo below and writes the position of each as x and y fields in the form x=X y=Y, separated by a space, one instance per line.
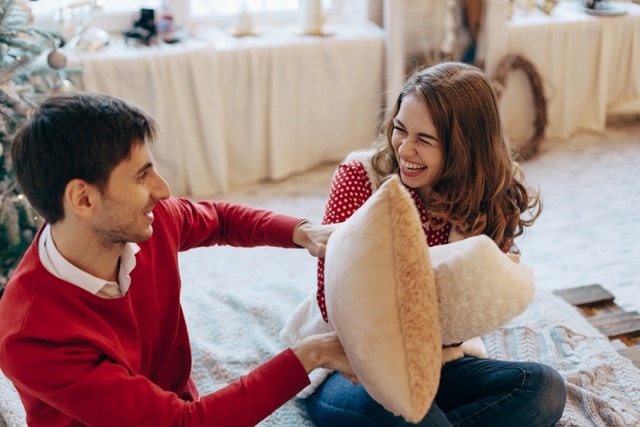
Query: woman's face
x=415 y=141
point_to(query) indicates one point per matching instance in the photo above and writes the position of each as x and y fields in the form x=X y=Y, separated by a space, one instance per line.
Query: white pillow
x=479 y=288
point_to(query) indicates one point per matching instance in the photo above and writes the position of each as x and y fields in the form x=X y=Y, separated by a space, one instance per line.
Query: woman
x=444 y=139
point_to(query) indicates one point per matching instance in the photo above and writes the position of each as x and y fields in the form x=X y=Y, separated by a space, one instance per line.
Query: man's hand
x=313 y=237
x=324 y=351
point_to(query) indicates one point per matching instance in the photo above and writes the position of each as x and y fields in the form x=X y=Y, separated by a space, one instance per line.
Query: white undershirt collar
x=57 y=265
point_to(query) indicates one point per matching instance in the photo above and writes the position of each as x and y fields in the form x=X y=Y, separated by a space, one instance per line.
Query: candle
x=313 y=18
x=245 y=23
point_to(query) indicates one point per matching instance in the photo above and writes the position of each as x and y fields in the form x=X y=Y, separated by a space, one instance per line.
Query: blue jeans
x=472 y=392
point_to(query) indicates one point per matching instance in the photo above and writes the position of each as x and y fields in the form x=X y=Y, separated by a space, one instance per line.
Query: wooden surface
x=599 y=307
x=584 y=295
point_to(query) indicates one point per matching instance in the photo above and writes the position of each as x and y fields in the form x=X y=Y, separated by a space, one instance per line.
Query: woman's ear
x=80 y=198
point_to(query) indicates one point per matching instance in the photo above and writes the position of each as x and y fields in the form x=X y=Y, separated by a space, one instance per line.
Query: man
x=91 y=328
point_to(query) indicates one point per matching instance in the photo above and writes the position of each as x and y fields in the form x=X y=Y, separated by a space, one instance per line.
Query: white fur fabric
x=479 y=288
x=306 y=320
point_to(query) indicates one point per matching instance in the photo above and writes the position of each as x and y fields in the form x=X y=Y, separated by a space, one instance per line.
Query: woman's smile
x=411 y=169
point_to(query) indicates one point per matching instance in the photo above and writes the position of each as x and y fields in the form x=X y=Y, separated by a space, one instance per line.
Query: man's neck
x=81 y=248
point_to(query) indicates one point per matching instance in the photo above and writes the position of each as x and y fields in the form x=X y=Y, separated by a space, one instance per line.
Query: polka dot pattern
x=350 y=189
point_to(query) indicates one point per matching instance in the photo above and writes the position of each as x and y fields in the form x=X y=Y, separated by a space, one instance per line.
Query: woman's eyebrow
x=421 y=134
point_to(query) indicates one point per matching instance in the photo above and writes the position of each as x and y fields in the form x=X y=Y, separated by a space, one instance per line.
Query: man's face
x=126 y=205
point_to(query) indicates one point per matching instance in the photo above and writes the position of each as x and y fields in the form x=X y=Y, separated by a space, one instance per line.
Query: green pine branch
x=24 y=83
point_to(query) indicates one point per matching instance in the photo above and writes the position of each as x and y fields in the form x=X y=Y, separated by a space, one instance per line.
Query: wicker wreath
x=517 y=62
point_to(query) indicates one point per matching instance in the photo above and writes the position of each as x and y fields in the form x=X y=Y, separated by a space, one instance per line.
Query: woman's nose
x=408 y=145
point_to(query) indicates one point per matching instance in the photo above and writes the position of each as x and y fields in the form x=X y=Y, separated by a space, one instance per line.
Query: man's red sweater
x=78 y=359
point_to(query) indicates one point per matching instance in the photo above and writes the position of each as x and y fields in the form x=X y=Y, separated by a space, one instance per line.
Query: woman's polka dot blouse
x=350 y=188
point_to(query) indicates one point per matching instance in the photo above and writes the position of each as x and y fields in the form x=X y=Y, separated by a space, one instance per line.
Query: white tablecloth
x=236 y=111
x=590 y=65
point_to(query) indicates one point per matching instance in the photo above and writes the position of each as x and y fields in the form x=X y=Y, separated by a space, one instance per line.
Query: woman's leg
x=486 y=392
x=338 y=403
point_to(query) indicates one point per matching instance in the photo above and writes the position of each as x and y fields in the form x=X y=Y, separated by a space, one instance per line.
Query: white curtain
x=419 y=33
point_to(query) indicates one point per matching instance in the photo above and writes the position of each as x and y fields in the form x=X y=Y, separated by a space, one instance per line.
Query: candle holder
x=312 y=18
x=548 y=5
x=244 y=25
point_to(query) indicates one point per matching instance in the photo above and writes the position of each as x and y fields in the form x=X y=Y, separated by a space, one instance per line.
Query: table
x=590 y=66
x=237 y=111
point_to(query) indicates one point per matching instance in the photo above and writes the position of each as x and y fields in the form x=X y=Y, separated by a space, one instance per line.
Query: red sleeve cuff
x=291 y=376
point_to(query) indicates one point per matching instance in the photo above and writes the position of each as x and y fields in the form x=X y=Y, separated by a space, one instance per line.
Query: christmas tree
x=31 y=68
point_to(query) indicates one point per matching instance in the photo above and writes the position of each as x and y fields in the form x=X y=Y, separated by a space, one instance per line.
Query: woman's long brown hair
x=481 y=187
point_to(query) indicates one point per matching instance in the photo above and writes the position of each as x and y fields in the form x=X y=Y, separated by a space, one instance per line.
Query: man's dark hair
x=75 y=136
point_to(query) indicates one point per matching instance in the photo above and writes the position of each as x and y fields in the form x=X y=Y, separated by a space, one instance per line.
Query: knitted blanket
x=603 y=387
x=235 y=328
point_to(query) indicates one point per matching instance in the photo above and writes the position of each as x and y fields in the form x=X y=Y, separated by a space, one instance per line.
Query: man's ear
x=80 y=198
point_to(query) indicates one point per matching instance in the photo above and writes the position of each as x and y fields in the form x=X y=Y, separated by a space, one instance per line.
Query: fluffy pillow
x=394 y=302
x=479 y=288
x=381 y=299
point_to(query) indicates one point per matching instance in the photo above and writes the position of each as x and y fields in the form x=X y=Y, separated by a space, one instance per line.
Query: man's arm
x=208 y=223
x=76 y=383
